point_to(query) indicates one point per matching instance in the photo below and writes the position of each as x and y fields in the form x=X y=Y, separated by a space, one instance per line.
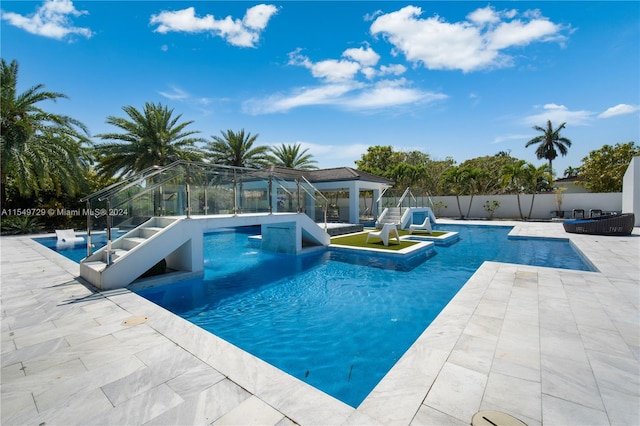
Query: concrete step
x=131 y=242
x=96 y=265
x=148 y=232
x=116 y=253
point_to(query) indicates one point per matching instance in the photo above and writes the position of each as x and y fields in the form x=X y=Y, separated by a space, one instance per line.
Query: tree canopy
x=151 y=137
x=488 y=181
x=603 y=169
x=548 y=141
x=413 y=168
x=39 y=150
x=291 y=156
x=236 y=149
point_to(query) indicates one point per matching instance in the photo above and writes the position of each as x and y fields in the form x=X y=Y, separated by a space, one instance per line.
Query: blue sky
x=451 y=79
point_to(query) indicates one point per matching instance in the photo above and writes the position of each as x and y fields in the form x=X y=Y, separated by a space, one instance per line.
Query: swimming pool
x=77 y=251
x=329 y=318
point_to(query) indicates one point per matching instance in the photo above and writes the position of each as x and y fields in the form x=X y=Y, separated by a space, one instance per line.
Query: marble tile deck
x=548 y=346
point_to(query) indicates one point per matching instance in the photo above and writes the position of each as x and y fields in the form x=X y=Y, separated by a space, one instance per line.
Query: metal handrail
x=382 y=194
x=326 y=201
x=404 y=194
x=315 y=189
x=114 y=185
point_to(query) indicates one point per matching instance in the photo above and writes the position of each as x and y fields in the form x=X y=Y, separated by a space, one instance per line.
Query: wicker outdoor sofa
x=619 y=224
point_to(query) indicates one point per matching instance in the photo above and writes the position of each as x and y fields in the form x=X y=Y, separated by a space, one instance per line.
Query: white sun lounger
x=388 y=231
x=67 y=236
x=426 y=225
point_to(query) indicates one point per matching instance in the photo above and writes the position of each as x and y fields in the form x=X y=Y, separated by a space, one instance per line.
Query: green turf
x=359 y=240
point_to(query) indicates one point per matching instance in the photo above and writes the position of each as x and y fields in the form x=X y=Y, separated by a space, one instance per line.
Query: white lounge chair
x=388 y=231
x=426 y=225
x=67 y=236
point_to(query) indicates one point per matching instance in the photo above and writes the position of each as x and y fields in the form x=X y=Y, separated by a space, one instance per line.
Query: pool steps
x=134 y=253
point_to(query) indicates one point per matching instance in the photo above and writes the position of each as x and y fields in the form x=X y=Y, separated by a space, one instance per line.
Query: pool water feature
x=330 y=319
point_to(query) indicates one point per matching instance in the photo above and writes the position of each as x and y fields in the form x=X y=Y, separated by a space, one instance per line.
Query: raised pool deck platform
x=548 y=346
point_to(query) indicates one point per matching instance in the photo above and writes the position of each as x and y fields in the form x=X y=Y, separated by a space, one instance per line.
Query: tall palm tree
x=548 y=141
x=290 y=156
x=536 y=179
x=39 y=150
x=152 y=137
x=457 y=178
x=513 y=179
x=473 y=181
x=236 y=149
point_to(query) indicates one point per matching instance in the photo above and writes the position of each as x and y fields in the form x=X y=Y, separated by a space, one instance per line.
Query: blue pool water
x=78 y=251
x=328 y=318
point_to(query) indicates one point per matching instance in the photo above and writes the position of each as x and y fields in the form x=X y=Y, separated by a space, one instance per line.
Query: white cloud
x=258 y=16
x=327 y=94
x=507 y=138
x=335 y=70
x=517 y=33
x=559 y=114
x=52 y=20
x=243 y=32
x=352 y=82
x=201 y=104
x=347 y=95
x=388 y=93
x=486 y=15
x=175 y=94
x=620 y=109
x=330 y=70
x=395 y=69
x=470 y=45
x=364 y=56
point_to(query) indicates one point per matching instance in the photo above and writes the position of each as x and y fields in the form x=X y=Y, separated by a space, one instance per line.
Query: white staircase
x=137 y=251
x=402 y=218
x=389 y=215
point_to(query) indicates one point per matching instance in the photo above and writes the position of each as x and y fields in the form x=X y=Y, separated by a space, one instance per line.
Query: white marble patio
x=548 y=346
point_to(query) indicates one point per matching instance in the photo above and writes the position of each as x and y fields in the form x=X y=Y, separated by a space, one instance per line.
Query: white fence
x=545 y=206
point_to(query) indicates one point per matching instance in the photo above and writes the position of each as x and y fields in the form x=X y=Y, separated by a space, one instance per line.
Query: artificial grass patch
x=360 y=240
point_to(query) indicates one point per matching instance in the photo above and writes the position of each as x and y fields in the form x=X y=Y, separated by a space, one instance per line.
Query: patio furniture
x=388 y=231
x=576 y=212
x=426 y=225
x=67 y=236
x=604 y=225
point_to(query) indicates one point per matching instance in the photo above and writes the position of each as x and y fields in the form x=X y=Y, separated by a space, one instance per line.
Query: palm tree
x=39 y=150
x=236 y=149
x=291 y=157
x=473 y=181
x=536 y=179
x=570 y=172
x=549 y=141
x=152 y=137
x=458 y=180
x=513 y=176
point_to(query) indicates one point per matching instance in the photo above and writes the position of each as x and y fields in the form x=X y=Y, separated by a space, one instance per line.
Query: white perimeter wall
x=543 y=205
x=631 y=189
